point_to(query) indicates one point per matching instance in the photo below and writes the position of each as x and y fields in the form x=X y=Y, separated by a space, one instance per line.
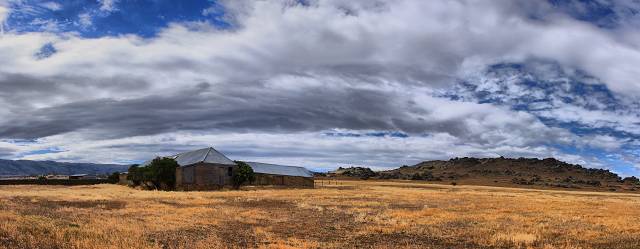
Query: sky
x=322 y=83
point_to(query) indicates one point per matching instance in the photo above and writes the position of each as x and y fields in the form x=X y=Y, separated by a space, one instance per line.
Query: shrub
x=243 y=175
x=159 y=174
x=162 y=173
x=135 y=175
x=114 y=177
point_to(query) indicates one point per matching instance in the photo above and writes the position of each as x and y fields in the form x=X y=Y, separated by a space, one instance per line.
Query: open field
x=361 y=214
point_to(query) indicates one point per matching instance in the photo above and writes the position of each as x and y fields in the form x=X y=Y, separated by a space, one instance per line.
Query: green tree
x=159 y=174
x=135 y=174
x=162 y=172
x=243 y=174
x=114 y=177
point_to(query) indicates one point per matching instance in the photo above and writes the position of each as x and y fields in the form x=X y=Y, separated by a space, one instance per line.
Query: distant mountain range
x=512 y=172
x=28 y=168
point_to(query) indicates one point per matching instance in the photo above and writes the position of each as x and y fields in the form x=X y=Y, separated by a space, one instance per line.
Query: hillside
x=27 y=168
x=532 y=172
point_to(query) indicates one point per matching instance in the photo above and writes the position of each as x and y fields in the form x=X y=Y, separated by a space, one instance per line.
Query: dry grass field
x=354 y=214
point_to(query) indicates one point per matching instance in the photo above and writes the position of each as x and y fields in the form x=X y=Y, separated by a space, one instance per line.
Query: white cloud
x=309 y=149
x=108 y=5
x=51 y=6
x=85 y=20
x=400 y=53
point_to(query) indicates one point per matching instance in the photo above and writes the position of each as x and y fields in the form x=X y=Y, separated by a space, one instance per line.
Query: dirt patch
x=287 y=220
x=407 y=206
x=321 y=226
x=407 y=240
x=179 y=238
x=176 y=204
x=626 y=242
x=261 y=203
x=56 y=204
x=237 y=234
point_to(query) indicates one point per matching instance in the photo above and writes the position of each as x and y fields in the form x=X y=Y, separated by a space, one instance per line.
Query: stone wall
x=280 y=180
x=204 y=176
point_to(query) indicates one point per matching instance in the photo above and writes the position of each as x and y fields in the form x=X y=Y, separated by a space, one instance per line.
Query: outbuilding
x=281 y=175
x=123 y=178
x=204 y=169
x=208 y=169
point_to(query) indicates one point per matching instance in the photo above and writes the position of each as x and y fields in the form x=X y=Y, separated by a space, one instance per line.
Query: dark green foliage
x=135 y=175
x=424 y=176
x=164 y=172
x=243 y=174
x=114 y=177
x=160 y=174
x=522 y=181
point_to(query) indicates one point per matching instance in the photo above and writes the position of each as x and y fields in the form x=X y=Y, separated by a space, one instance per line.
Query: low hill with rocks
x=519 y=172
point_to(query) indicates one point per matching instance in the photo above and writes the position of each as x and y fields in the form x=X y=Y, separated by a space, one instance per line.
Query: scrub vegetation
x=339 y=214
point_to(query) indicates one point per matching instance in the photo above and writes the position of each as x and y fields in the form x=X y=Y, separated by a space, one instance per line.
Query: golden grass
x=362 y=214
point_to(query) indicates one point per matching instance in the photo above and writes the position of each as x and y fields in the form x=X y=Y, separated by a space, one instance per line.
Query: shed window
x=230 y=171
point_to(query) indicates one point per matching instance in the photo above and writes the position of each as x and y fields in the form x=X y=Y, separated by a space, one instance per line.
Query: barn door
x=221 y=175
x=188 y=174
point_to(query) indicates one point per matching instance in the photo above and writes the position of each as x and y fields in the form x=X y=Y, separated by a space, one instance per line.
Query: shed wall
x=122 y=179
x=204 y=176
x=280 y=180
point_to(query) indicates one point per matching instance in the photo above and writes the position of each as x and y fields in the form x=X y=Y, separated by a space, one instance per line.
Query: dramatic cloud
x=486 y=78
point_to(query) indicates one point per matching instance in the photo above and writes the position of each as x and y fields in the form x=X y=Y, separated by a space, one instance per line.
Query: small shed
x=281 y=175
x=122 y=178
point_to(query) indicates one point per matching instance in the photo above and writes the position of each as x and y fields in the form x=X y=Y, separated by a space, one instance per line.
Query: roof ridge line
x=225 y=156
x=206 y=155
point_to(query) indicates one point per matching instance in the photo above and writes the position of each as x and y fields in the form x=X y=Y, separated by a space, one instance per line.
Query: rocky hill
x=30 y=168
x=359 y=172
x=521 y=172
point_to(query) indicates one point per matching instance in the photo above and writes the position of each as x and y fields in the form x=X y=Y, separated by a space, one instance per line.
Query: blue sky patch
x=46 y=51
x=51 y=150
x=144 y=18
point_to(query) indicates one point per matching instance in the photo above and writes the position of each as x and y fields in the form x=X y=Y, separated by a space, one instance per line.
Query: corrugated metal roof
x=274 y=169
x=207 y=155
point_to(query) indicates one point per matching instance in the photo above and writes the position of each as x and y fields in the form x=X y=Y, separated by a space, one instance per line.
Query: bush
x=135 y=175
x=243 y=175
x=114 y=177
x=160 y=174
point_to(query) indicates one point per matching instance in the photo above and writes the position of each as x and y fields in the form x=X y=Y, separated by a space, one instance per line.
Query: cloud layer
x=280 y=75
